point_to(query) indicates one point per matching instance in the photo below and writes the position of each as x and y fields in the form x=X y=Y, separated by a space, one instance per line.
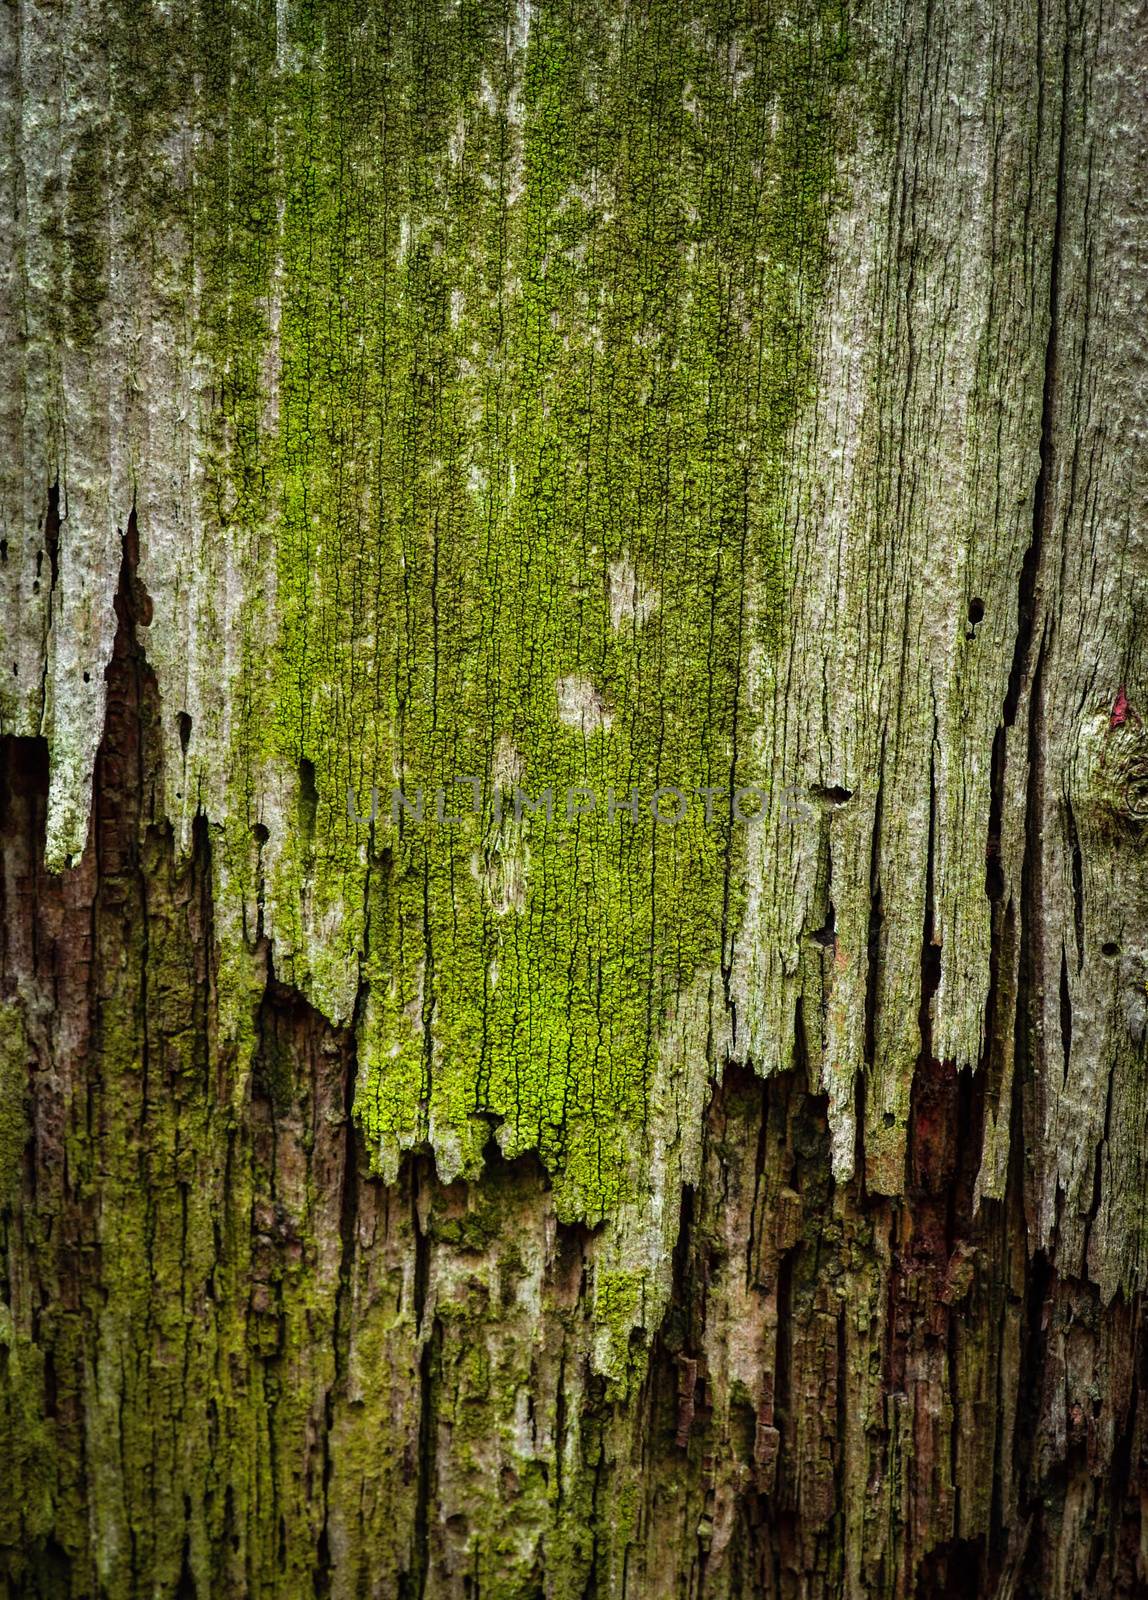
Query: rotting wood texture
x=596 y=399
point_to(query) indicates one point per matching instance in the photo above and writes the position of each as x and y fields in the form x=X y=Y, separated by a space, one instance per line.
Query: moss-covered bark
x=237 y=1362
x=585 y=400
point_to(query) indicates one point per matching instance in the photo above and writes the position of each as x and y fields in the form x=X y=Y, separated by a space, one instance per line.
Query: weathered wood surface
x=605 y=396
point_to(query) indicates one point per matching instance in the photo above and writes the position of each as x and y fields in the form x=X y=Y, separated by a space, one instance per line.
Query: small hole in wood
x=834 y=794
x=183 y=722
x=976 y=610
x=260 y=834
x=1110 y=948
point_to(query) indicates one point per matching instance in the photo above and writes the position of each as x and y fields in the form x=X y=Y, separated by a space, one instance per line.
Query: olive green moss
x=501 y=301
x=26 y=1440
x=14 y=1130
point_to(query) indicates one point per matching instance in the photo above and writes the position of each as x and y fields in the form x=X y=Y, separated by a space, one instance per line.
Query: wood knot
x=1121 y=765
x=1127 y=774
x=1134 y=998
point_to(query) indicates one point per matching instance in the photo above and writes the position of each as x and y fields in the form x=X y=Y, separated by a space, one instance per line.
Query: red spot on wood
x=1120 y=710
